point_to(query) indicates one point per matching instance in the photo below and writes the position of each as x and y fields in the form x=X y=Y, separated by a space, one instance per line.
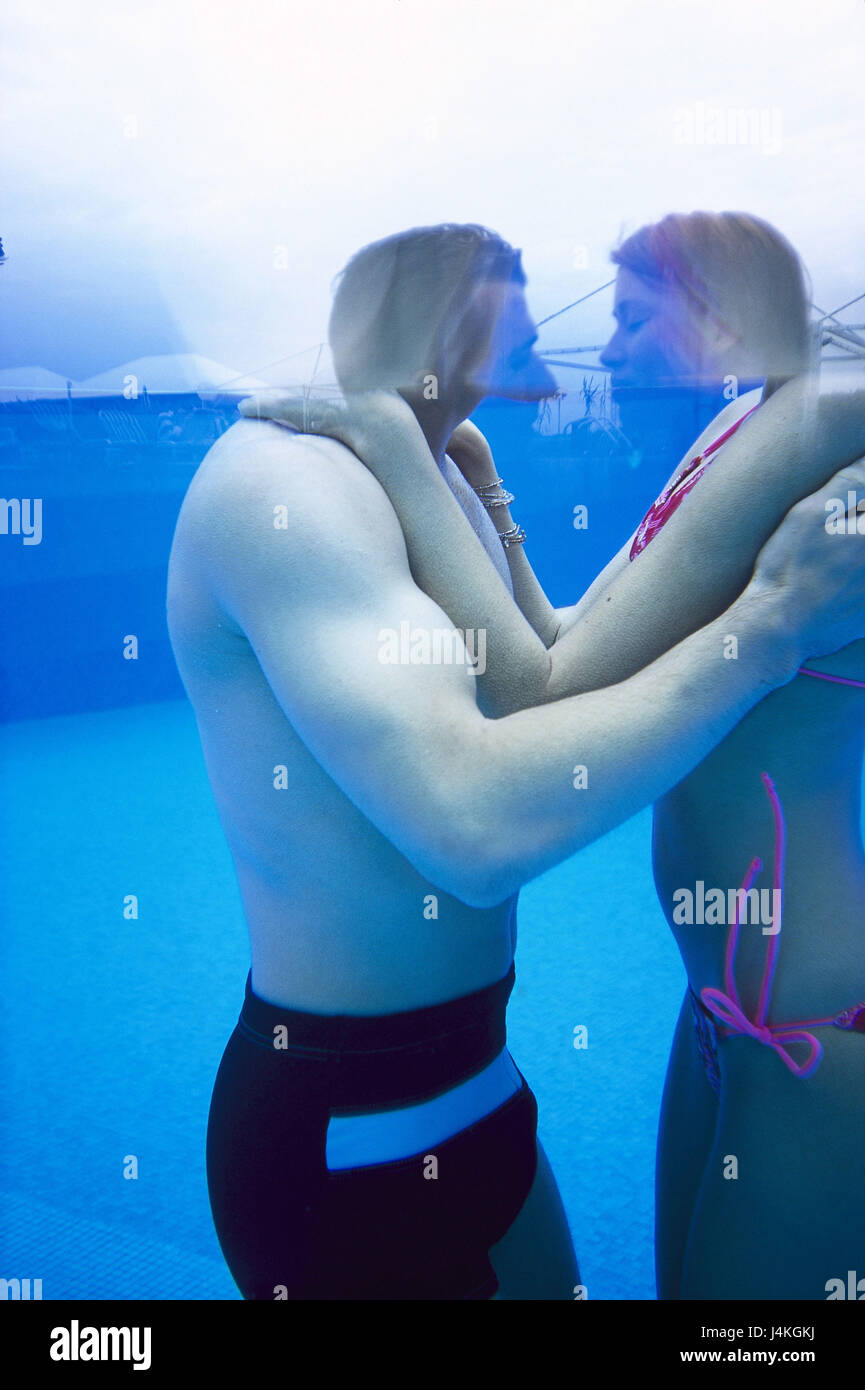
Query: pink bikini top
x=661 y=511
x=671 y=498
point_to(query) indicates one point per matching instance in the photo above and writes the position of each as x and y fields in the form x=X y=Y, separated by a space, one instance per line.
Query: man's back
x=287 y=562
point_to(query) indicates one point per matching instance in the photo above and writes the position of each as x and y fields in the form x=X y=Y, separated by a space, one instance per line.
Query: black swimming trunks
x=418 y=1227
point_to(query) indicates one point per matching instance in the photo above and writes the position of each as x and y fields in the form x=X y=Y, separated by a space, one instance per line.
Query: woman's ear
x=719 y=339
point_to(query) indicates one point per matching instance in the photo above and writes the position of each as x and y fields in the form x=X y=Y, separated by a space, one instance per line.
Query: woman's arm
x=472 y=454
x=447 y=559
x=704 y=555
x=620 y=561
x=690 y=573
x=471 y=451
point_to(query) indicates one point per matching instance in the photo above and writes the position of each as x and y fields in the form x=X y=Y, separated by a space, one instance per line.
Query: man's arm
x=478 y=806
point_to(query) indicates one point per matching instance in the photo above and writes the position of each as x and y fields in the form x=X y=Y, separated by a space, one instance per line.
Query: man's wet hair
x=403 y=306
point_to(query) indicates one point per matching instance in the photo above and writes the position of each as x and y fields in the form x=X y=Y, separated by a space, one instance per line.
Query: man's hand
x=819 y=573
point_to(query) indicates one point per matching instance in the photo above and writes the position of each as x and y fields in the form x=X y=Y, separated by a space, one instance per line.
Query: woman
x=722 y=297
x=681 y=284
x=760 y=1145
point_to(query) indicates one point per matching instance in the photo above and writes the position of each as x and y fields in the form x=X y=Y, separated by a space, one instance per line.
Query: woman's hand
x=472 y=455
x=378 y=426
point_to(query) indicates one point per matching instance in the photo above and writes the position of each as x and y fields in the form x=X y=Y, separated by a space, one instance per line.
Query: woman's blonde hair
x=739 y=270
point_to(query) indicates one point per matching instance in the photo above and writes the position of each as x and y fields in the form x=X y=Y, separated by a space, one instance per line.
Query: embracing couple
x=370 y=1135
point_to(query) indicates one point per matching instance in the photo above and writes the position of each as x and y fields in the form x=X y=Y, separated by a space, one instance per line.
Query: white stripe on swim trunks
x=354 y=1141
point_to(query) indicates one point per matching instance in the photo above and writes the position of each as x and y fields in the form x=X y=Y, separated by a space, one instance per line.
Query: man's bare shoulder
x=307 y=483
x=259 y=453
x=269 y=502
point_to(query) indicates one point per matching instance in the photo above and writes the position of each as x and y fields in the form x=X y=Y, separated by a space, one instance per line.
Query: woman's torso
x=808 y=737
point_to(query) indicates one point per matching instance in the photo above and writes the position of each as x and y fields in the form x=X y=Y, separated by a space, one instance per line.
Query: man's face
x=508 y=364
x=658 y=340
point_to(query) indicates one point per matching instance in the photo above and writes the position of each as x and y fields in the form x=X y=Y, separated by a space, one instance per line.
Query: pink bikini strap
x=662 y=509
x=726 y=1005
x=836 y=680
x=722 y=439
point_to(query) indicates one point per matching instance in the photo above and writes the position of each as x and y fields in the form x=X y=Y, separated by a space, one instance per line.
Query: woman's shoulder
x=731 y=414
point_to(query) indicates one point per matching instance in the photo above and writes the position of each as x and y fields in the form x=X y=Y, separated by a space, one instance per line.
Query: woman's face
x=660 y=338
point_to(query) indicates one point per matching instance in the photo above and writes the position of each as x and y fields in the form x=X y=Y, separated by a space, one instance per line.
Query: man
x=369 y=1134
